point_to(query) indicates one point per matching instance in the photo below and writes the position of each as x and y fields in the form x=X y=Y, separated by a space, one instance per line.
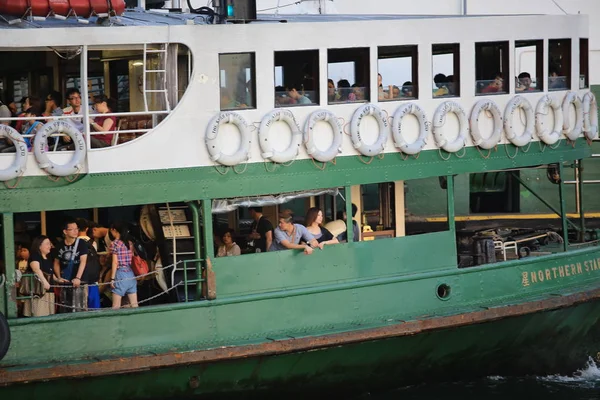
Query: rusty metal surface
x=141 y=363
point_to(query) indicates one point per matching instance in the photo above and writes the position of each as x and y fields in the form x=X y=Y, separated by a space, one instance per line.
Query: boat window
x=491 y=68
x=494 y=192
x=348 y=70
x=423 y=216
x=397 y=77
x=559 y=64
x=529 y=66
x=584 y=64
x=446 y=70
x=296 y=78
x=237 y=81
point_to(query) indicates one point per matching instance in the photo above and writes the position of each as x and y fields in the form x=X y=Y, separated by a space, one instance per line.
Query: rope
x=222 y=173
x=513 y=156
x=267 y=168
x=402 y=156
x=360 y=157
x=75 y=176
x=288 y=163
x=527 y=149
x=242 y=171
x=315 y=164
x=542 y=149
x=482 y=155
x=557 y=144
x=464 y=153
x=441 y=155
x=16 y=183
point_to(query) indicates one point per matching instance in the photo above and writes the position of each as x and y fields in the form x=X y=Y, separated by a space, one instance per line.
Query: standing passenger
x=122 y=279
x=262 y=230
x=69 y=267
x=40 y=264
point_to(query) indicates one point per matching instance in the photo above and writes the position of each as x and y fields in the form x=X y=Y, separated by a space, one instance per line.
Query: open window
x=398 y=73
x=446 y=70
x=491 y=68
x=584 y=64
x=237 y=81
x=559 y=69
x=529 y=66
x=348 y=69
x=296 y=78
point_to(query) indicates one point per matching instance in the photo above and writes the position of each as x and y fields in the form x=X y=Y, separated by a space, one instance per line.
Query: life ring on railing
x=4 y=336
x=309 y=136
x=268 y=151
x=590 y=116
x=517 y=103
x=416 y=146
x=17 y=168
x=379 y=145
x=242 y=154
x=547 y=135
x=439 y=119
x=494 y=139
x=572 y=98
x=40 y=148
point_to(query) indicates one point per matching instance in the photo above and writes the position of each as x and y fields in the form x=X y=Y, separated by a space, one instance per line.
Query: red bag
x=139 y=265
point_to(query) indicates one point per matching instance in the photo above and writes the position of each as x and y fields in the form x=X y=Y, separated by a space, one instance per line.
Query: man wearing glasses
x=74 y=108
x=69 y=267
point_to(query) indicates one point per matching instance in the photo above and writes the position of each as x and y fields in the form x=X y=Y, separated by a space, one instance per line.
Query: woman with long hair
x=41 y=265
x=103 y=105
x=122 y=280
x=314 y=224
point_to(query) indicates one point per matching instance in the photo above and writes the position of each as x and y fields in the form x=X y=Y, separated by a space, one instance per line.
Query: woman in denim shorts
x=122 y=278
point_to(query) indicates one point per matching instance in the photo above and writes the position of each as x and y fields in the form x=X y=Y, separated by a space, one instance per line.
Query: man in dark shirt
x=343 y=237
x=262 y=230
x=76 y=250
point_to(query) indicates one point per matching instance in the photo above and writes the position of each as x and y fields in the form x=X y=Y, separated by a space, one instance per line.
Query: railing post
x=85 y=100
x=563 y=207
x=197 y=246
x=450 y=201
x=349 y=219
x=9 y=258
x=580 y=199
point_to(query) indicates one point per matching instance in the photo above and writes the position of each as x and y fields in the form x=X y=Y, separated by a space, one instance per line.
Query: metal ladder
x=162 y=51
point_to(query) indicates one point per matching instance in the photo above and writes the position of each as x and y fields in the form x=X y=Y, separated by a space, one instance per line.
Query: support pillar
x=563 y=207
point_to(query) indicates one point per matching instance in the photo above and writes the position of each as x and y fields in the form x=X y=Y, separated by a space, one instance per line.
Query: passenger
x=555 y=81
x=407 y=89
x=32 y=126
x=345 y=91
x=22 y=258
x=314 y=224
x=91 y=275
x=4 y=113
x=229 y=247
x=395 y=92
x=103 y=105
x=74 y=108
x=53 y=102
x=69 y=267
x=332 y=94
x=25 y=105
x=40 y=264
x=497 y=85
x=355 y=231
x=288 y=235
x=12 y=107
x=524 y=82
x=262 y=230
x=101 y=236
x=281 y=97
x=122 y=279
x=451 y=85
x=381 y=94
x=293 y=93
x=441 y=83
x=359 y=92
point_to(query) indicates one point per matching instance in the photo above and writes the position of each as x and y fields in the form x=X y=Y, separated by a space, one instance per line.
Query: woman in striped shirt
x=122 y=278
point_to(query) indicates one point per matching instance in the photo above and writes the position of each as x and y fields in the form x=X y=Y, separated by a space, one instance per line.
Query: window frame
x=315 y=57
x=252 y=77
x=413 y=49
x=584 y=62
x=455 y=51
x=504 y=47
x=365 y=65
x=567 y=69
x=539 y=63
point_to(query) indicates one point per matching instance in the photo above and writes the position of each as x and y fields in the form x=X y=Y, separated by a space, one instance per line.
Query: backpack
x=92 y=265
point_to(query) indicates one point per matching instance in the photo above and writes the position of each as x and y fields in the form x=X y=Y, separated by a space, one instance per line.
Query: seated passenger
x=102 y=123
x=359 y=92
x=314 y=224
x=395 y=92
x=30 y=127
x=407 y=89
x=293 y=93
x=524 y=82
x=53 y=102
x=288 y=235
x=332 y=94
x=381 y=94
x=281 y=98
x=441 y=83
x=555 y=81
x=355 y=231
x=345 y=91
x=450 y=85
x=74 y=108
x=497 y=85
x=229 y=247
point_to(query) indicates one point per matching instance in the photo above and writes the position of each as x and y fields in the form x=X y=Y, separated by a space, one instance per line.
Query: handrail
x=199 y=279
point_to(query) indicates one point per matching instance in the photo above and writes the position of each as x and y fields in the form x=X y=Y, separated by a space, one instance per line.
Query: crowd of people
x=287 y=235
x=88 y=269
x=33 y=109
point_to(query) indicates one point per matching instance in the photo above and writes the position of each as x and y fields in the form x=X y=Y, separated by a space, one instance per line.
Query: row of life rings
x=40 y=149
x=586 y=121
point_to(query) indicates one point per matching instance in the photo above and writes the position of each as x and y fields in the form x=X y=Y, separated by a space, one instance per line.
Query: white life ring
x=267 y=149
x=547 y=135
x=242 y=154
x=572 y=98
x=590 y=116
x=494 y=139
x=416 y=146
x=379 y=145
x=17 y=168
x=516 y=103
x=40 y=148
x=309 y=135
x=439 y=119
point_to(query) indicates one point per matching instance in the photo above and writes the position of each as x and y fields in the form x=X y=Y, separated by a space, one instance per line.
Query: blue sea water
x=583 y=384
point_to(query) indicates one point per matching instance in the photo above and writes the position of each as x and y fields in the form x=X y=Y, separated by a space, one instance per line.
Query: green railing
x=199 y=280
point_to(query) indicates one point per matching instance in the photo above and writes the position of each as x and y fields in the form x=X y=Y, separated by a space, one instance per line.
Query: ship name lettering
x=561 y=271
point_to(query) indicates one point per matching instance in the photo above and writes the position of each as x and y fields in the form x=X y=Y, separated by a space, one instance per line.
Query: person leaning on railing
x=288 y=235
x=40 y=264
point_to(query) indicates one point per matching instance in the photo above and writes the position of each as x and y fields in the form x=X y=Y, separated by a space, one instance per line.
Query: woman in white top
x=229 y=247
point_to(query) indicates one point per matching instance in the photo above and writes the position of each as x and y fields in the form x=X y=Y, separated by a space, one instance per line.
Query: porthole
x=443 y=291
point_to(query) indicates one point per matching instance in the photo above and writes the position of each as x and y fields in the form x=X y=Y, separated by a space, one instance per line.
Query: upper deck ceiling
x=157 y=18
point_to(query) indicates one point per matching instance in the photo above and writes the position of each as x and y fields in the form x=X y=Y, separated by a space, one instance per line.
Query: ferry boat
x=216 y=113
